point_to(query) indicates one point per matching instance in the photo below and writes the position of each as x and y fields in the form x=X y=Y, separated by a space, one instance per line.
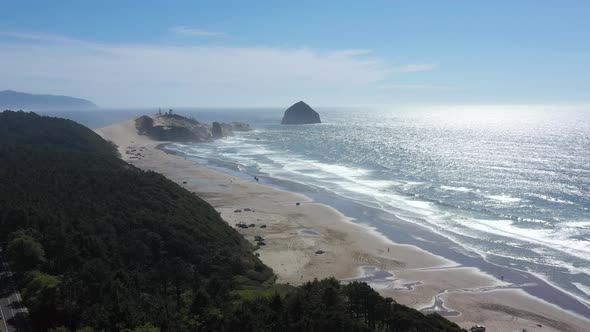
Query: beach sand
x=294 y=233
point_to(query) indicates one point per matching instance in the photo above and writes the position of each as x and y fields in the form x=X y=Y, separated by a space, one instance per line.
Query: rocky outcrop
x=228 y=129
x=240 y=126
x=174 y=127
x=216 y=131
x=300 y=113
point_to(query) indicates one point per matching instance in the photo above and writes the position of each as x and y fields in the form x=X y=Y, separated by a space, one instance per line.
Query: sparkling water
x=511 y=184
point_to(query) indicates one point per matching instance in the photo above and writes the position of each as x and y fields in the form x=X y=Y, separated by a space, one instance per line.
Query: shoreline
x=409 y=274
x=401 y=231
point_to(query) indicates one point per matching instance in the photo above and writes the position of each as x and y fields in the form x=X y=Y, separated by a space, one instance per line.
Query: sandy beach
x=310 y=240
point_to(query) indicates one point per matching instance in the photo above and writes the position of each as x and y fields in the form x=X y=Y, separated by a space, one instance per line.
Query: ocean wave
x=585 y=289
x=354 y=183
x=503 y=198
x=460 y=189
x=551 y=199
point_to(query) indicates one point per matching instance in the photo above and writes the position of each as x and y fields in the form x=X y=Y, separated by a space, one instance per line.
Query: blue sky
x=258 y=53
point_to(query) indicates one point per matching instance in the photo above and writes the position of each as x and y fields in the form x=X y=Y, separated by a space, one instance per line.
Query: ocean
x=502 y=188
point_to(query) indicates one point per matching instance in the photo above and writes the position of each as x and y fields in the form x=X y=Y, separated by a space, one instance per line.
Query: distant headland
x=300 y=113
x=167 y=126
x=32 y=102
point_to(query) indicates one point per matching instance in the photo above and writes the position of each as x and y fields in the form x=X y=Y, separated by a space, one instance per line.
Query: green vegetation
x=117 y=247
x=24 y=253
x=326 y=305
x=99 y=245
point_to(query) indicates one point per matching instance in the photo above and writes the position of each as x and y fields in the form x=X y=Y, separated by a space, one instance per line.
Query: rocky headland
x=174 y=127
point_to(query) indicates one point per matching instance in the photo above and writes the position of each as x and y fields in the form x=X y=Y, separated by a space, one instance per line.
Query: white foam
x=583 y=224
x=342 y=171
x=504 y=198
x=461 y=189
x=558 y=240
x=585 y=289
x=425 y=208
x=551 y=199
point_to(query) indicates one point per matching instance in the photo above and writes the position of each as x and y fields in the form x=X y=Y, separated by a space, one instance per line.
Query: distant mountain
x=26 y=101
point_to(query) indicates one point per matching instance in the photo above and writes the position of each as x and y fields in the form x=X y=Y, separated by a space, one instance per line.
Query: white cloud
x=152 y=75
x=188 y=31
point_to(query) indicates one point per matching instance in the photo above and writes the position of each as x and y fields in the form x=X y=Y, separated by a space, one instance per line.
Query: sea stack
x=216 y=131
x=300 y=113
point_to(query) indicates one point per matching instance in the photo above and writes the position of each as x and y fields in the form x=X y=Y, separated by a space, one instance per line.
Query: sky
x=274 y=53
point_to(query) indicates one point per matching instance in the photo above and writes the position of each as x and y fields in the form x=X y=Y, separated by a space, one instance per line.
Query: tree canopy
x=24 y=253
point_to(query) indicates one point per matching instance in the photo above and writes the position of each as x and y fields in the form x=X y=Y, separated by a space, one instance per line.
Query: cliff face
x=300 y=113
x=173 y=127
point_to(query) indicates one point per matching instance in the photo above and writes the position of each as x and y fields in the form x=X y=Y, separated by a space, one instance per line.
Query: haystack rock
x=300 y=113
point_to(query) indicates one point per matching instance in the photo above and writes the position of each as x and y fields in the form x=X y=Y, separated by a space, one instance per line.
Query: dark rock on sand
x=300 y=113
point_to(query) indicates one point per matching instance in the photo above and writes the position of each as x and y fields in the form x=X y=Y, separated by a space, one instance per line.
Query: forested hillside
x=97 y=244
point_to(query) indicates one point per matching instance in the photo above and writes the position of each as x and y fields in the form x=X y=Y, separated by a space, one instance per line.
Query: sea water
x=512 y=185
x=508 y=184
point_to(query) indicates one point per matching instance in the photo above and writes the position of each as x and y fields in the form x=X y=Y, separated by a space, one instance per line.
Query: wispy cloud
x=189 y=31
x=411 y=68
x=155 y=74
x=39 y=37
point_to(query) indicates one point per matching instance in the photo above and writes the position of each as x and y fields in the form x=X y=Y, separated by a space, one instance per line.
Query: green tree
x=25 y=253
x=148 y=327
x=40 y=295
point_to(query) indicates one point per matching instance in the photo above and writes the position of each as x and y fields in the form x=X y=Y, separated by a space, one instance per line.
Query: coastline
x=410 y=275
